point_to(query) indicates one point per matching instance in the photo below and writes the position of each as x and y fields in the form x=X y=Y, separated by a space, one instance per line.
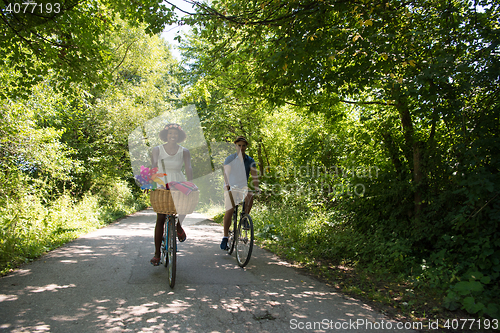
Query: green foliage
x=64 y=152
x=68 y=40
x=408 y=90
x=375 y=126
x=30 y=227
x=298 y=231
x=472 y=296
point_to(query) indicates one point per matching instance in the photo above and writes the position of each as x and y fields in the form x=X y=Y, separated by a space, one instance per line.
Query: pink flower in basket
x=150 y=178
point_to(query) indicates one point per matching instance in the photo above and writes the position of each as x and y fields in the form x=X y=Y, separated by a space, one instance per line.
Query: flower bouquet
x=150 y=179
x=181 y=200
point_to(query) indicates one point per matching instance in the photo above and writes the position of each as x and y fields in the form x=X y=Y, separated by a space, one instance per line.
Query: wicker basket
x=173 y=202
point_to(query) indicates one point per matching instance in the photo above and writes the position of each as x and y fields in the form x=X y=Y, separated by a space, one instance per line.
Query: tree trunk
x=417 y=177
x=393 y=151
x=267 y=157
x=259 y=156
x=412 y=151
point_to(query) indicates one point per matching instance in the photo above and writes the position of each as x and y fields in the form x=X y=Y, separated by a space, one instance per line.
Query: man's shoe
x=223 y=244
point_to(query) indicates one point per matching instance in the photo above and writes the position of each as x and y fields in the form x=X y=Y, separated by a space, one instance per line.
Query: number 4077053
x=33 y=7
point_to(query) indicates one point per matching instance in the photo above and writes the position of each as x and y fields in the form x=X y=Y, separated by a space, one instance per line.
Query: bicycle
x=169 y=248
x=240 y=234
x=163 y=203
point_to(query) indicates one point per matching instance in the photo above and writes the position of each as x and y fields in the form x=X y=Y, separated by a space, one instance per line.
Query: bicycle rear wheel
x=244 y=240
x=171 y=261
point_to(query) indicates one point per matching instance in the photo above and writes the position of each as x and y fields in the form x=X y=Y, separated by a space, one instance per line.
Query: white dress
x=171 y=165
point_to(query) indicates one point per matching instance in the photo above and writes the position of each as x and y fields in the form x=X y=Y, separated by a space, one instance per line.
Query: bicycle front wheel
x=232 y=234
x=244 y=240
x=171 y=250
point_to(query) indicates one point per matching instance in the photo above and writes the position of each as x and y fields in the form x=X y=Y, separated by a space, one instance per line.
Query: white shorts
x=238 y=197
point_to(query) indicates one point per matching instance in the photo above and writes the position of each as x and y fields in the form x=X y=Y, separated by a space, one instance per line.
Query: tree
x=423 y=79
x=425 y=59
x=64 y=149
x=67 y=38
x=143 y=84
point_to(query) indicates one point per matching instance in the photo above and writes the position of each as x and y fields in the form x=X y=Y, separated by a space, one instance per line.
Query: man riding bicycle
x=237 y=168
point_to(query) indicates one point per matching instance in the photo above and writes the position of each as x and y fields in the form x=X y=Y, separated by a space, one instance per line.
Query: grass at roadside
x=30 y=228
x=209 y=210
x=398 y=297
x=395 y=297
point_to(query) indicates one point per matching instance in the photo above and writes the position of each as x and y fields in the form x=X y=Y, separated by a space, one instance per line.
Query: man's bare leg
x=248 y=202
x=227 y=221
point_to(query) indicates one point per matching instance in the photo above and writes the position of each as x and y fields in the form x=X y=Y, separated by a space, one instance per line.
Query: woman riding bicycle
x=237 y=168
x=169 y=158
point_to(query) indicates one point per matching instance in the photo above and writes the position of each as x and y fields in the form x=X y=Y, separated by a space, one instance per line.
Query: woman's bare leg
x=160 y=223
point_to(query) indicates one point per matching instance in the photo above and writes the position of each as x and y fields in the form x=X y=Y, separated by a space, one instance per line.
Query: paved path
x=103 y=281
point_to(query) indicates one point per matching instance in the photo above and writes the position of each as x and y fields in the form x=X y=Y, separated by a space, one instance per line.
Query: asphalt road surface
x=103 y=282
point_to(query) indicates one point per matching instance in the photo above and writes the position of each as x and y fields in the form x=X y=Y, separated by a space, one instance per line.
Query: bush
x=466 y=269
x=30 y=227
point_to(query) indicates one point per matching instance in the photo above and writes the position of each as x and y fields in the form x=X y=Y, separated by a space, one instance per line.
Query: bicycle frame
x=235 y=213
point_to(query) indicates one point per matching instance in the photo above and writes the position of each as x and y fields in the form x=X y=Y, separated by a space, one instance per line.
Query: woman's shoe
x=181 y=235
x=155 y=261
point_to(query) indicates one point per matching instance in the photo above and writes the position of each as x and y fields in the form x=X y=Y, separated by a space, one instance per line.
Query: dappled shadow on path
x=104 y=282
